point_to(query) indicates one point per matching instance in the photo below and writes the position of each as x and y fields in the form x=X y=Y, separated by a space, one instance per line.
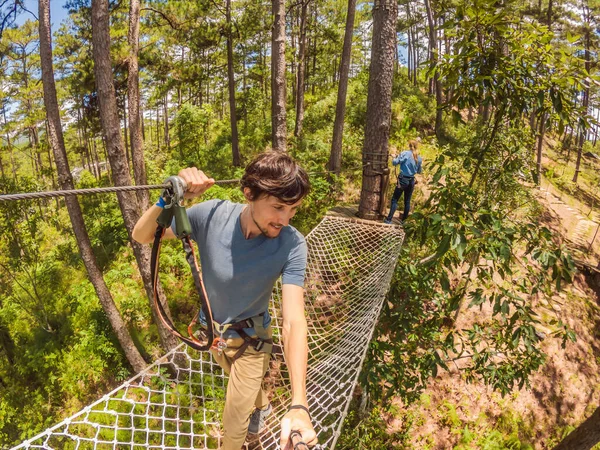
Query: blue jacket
x=408 y=166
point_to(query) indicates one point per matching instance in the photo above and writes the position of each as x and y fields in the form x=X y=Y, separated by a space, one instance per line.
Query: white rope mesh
x=176 y=403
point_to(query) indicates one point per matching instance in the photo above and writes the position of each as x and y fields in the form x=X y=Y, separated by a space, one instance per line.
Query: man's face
x=270 y=214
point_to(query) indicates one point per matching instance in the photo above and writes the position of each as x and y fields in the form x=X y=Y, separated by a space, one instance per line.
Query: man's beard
x=264 y=232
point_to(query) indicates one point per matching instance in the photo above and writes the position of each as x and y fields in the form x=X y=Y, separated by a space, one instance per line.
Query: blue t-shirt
x=239 y=273
x=408 y=166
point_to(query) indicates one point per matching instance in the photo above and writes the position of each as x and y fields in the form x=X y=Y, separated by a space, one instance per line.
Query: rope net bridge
x=176 y=403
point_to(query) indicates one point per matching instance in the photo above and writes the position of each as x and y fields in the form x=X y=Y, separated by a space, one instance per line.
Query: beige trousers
x=244 y=390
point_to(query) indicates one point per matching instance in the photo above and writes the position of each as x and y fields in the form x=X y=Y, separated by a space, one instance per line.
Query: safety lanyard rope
x=174 y=209
x=190 y=256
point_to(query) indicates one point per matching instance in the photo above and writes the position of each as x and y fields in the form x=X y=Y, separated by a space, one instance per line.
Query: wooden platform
x=350 y=212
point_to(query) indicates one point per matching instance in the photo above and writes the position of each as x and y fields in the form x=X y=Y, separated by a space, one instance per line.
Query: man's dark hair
x=277 y=174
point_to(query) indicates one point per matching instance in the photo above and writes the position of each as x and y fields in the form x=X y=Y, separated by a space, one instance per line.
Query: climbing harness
x=263 y=342
x=174 y=208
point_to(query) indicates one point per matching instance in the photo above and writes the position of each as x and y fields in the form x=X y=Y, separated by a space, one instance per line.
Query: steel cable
x=103 y=190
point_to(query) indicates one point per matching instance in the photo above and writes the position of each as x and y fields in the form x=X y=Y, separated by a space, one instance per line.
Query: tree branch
x=12 y=10
x=172 y=23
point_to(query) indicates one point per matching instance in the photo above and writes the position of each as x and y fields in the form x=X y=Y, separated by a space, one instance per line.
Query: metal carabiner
x=174 y=208
x=177 y=189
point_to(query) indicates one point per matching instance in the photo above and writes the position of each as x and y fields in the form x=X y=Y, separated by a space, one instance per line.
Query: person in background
x=410 y=165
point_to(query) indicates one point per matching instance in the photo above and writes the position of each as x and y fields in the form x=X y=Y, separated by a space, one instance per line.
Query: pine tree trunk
x=293 y=26
x=94 y=153
x=50 y=165
x=596 y=129
x=278 y=113
x=109 y=120
x=379 y=107
x=2 y=168
x=143 y=122
x=540 y=143
x=586 y=93
x=313 y=53
x=300 y=71
x=136 y=137
x=335 y=158
x=245 y=90
x=166 y=121
x=585 y=436
x=13 y=166
x=56 y=140
x=157 y=126
x=437 y=84
x=125 y=139
x=235 y=148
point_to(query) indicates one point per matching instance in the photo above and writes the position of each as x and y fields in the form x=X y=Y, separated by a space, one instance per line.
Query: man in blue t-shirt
x=244 y=248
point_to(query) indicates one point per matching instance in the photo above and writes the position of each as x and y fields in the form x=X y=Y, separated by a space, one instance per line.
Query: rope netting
x=177 y=402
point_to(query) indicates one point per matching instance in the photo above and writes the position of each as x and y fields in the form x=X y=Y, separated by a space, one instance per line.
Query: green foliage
x=412 y=109
x=370 y=432
x=103 y=220
x=193 y=127
x=467 y=249
x=475 y=246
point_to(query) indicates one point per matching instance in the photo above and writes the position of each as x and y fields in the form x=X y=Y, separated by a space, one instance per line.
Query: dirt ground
x=577 y=223
x=454 y=414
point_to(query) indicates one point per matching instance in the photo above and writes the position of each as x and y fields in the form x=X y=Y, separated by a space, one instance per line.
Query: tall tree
x=133 y=102
x=231 y=86
x=379 y=107
x=586 y=91
x=433 y=46
x=109 y=119
x=56 y=140
x=300 y=71
x=335 y=158
x=24 y=65
x=278 y=114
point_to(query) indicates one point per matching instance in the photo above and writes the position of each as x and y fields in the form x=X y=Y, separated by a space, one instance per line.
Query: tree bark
x=586 y=92
x=133 y=102
x=410 y=43
x=379 y=107
x=585 y=436
x=300 y=71
x=437 y=84
x=157 y=126
x=2 y=168
x=278 y=114
x=166 y=113
x=13 y=164
x=313 y=52
x=125 y=137
x=293 y=25
x=540 y=143
x=235 y=148
x=109 y=120
x=335 y=158
x=56 y=140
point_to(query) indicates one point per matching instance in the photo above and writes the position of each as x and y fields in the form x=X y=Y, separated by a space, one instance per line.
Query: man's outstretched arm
x=295 y=341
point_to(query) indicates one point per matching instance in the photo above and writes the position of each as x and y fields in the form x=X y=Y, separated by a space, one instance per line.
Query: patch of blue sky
x=58 y=13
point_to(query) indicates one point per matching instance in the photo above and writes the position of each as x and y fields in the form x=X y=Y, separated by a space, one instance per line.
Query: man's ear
x=248 y=194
